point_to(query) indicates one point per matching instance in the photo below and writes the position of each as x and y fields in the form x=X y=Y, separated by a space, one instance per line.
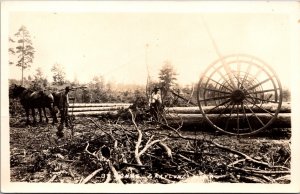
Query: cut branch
x=137 y=153
x=52 y=178
x=108 y=178
x=166 y=148
x=262 y=171
x=221 y=147
x=90 y=153
x=240 y=154
x=109 y=134
x=91 y=176
x=115 y=173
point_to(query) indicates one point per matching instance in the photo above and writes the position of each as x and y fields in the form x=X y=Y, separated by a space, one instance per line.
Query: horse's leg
x=27 y=116
x=55 y=120
x=54 y=114
x=45 y=114
x=33 y=115
x=40 y=113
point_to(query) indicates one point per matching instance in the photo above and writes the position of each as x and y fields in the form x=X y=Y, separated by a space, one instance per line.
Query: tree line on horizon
x=98 y=89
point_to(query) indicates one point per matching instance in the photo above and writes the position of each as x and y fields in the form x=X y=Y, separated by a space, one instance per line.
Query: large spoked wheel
x=239 y=95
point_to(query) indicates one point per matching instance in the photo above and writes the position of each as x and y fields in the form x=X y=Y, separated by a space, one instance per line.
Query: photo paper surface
x=164 y=96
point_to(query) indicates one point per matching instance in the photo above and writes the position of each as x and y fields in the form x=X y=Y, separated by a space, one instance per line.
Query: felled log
x=285 y=108
x=192 y=115
x=94 y=113
x=283 y=120
x=84 y=107
x=78 y=105
x=99 y=109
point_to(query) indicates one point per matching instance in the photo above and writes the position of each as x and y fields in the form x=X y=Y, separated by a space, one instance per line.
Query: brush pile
x=98 y=150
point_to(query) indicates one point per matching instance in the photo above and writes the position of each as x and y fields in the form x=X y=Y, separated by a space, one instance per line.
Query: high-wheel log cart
x=233 y=92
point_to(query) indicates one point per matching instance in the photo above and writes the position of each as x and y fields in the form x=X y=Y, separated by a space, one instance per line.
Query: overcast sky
x=113 y=44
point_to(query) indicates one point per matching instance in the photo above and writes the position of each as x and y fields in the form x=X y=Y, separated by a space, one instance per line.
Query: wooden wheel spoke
x=256 y=75
x=215 y=98
x=214 y=90
x=262 y=108
x=262 y=91
x=238 y=80
x=229 y=117
x=224 y=78
x=238 y=71
x=246 y=117
x=246 y=74
x=230 y=74
x=260 y=83
x=224 y=110
x=227 y=82
x=256 y=115
x=263 y=100
x=219 y=84
x=218 y=106
x=238 y=120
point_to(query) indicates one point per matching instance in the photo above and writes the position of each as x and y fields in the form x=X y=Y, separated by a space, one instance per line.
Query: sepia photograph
x=141 y=96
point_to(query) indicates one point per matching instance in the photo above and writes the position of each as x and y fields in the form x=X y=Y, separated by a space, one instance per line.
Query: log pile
x=193 y=116
x=96 y=109
x=188 y=115
x=78 y=105
x=282 y=120
x=285 y=108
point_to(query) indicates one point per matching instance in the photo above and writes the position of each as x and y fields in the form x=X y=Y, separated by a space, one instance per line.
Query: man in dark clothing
x=64 y=105
x=155 y=103
x=62 y=102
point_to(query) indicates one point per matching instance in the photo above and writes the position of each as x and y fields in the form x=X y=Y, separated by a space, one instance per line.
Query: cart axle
x=238 y=96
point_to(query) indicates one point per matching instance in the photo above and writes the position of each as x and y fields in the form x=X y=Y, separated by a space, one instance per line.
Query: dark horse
x=34 y=99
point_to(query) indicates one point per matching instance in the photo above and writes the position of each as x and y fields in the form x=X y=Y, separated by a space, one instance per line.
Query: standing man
x=63 y=105
x=155 y=103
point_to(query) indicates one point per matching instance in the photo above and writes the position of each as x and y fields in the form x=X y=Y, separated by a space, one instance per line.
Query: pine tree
x=167 y=76
x=24 y=50
x=11 y=51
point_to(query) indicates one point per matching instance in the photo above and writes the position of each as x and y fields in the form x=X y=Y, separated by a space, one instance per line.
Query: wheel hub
x=238 y=96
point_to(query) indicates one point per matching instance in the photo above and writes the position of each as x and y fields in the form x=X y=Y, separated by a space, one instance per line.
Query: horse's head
x=17 y=90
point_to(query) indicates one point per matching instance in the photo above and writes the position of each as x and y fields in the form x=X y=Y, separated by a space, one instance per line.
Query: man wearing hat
x=155 y=103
